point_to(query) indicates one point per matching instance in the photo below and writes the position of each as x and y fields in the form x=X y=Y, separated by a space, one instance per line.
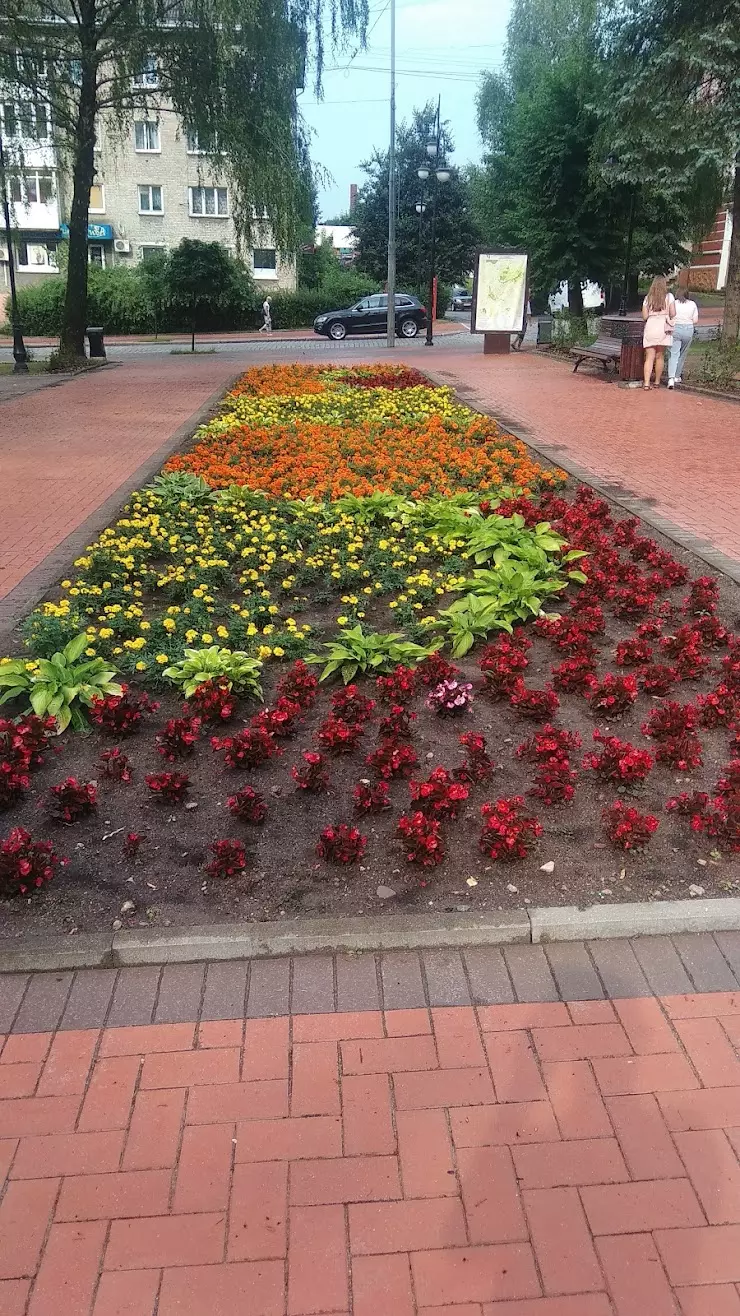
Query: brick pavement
x=424 y=1135
x=679 y=451
x=64 y=451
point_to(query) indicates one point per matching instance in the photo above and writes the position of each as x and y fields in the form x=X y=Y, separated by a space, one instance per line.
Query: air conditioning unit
x=122 y=246
x=3 y=252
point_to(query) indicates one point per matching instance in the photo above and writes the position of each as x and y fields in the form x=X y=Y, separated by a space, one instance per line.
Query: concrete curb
x=248 y=941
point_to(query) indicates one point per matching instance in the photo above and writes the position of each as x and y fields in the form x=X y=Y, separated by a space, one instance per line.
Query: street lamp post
x=438 y=175
x=20 y=355
x=612 y=164
x=420 y=208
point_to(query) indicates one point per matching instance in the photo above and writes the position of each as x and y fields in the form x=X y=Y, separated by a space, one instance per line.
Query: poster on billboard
x=499 y=292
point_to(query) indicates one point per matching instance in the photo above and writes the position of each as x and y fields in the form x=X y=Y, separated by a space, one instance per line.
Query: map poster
x=499 y=292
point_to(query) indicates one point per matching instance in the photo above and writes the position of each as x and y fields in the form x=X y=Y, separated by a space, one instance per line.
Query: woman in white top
x=687 y=315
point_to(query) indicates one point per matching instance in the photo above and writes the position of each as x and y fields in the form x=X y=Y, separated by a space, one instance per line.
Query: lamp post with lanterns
x=20 y=355
x=436 y=174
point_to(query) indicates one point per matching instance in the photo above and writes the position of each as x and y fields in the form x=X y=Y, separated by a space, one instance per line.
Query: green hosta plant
x=60 y=686
x=469 y=619
x=214 y=664
x=356 y=652
x=375 y=507
x=181 y=487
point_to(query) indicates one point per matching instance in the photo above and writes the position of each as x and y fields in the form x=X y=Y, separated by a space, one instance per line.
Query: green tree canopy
x=457 y=234
x=672 y=109
x=545 y=184
x=228 y=68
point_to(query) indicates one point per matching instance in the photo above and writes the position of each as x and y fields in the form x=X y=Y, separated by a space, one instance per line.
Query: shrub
x=508 y=832
x=299 y=685
x=613 y=695
x=720 y=365
x=13 y=781
x=247 y=805
x=214 y=700
x=503 y=662
x=122 y=715
x=229 y=859
x=478 y=764
x=688 y=803
x=351 y=706
x=550 y=742
x=371 y=798
x=25 y=864
x=72 y=799
x=719 y=708
x=627 y=828
x=434 y=669
x=341 y=844
x=397 y=725
x=399 y=687
x=440 y=796
x=658 y=679
x=199 y=665
x=169 y=786
x=535 y=704
x=619 y=761
x=392 y=760
x=421 y=838
x=633 y=653
x=312 y=775
x=339 y=737
x=450 y=698
x=279 y=720
x=247 y=749
x=115 y=765
x=177 y=739
x=555 y=781
x=574 y=674
x=132 y=844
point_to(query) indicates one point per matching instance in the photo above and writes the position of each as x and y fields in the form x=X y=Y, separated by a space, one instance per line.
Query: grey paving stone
x=403 y=985
x=269 y=989
x=89 y=999
x=574 y=971
x=134 y=996
x=180 y=993
x=706 y=965
x=530 y=973
x=445 y=974
x=313 y=985
x=662 y=966
x=618 y=969
x=490 y=983
x=225 y=995
x=43 y=1004
x=357 y=982
x=12 y=987
x=729 y=944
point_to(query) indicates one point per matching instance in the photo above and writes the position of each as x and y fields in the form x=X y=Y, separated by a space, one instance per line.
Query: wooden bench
x=605 y=350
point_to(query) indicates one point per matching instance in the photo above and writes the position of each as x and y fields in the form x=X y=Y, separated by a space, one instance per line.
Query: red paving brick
x=675 y=449
x=168 y=1170
x=63 y=454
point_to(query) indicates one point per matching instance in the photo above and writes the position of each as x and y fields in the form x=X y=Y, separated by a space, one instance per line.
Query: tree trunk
x=731 y=329
x=74 y=317
x=575 y=297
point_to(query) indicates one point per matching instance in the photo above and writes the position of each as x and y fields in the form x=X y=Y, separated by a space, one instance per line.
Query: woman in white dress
x=687 y=315
x=658 y=310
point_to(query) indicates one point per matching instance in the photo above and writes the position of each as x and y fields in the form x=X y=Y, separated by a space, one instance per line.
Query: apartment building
x=153 y=187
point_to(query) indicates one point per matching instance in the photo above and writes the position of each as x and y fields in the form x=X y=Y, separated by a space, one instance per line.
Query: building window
x=14 y=187
x=150 y=199
x=193 y=142
x=265 y=262
x=151 y=250
x=9 y=120
x=146 y=135
x=33 y=121
x=96 y=255
x=209 y=201
x=149 y=75
x=97 y=199
x=33 y=188
x=37 y=255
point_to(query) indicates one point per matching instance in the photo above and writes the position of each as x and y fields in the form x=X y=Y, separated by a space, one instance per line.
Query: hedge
x=120 y=300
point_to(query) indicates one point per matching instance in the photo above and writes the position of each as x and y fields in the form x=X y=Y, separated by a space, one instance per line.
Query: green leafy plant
x=181 y=487
x=356 y=651
x=215 y=664
x=375 y=507
x=61 y=684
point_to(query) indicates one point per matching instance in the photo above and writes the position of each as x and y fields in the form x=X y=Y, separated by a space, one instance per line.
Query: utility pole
x=392 y=192
x=20 y=355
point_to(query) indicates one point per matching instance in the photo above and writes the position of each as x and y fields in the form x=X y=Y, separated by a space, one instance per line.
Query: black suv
x=370 y=316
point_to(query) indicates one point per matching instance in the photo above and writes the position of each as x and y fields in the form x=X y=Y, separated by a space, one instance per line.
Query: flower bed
x=402 y=544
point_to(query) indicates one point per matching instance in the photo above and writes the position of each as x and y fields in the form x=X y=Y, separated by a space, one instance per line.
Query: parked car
x=370 y=316
x=462 y=300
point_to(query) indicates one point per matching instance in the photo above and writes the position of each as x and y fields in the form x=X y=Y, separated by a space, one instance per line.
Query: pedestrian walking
x=687 y=315
x=266 y=326
x=658 y=310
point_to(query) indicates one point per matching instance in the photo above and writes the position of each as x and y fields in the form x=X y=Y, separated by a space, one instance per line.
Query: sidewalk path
x=679 y=451
x=465 y=1144
x=64 y=451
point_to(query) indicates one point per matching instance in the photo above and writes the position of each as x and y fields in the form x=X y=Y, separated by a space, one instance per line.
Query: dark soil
x=168 y=886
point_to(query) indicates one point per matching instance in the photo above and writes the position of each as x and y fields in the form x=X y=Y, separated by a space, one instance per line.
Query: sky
x=442 y=46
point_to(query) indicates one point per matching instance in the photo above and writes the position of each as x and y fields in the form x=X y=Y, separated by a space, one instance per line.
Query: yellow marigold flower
x=161 y=658
x=264 y=651
x=145 y=625
x=105 y=632
x=222 y=632
x=278 y=652
x=251 y=629
x=140 y=666
x=66 y=584
x=169 y=624
x=342 y=621
x=206 y=638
